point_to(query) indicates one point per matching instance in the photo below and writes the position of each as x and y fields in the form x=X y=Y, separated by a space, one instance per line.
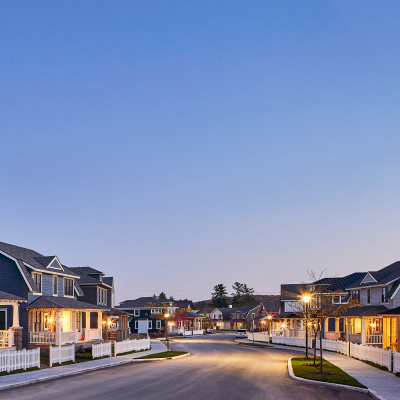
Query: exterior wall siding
x=89 y=294
x=12 y=280
x=47 y=285
x=60 y=286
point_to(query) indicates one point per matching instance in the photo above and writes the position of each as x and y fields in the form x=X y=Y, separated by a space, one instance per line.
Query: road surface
x=218 y=369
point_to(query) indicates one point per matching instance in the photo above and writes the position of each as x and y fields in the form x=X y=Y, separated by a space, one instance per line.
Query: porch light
x=372 y=324
x=283 y=326
x=269 y=317
x=166 y=315
x=309 y=324
x=306 y=298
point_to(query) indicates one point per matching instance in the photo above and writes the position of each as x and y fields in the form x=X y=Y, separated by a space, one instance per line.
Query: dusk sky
x=180 y=144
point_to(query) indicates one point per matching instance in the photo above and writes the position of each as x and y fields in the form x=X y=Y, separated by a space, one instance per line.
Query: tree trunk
x=315 y=346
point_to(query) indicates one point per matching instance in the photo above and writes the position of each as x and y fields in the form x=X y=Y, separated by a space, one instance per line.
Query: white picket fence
x=101 y=350
x=396 y=362
x=12 y=360
x=374 y=354
x=367 y=353
x=60 y=354
x=132 y=345
x=258 y=337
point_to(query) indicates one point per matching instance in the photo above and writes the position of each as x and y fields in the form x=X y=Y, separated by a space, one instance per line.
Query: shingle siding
x=11 y=279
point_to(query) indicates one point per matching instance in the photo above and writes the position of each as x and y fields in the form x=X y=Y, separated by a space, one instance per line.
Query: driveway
x=218 y=369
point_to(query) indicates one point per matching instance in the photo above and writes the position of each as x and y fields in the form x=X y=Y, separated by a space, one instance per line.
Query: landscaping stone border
x=371 y=393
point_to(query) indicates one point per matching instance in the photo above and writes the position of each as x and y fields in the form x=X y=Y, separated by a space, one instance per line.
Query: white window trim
x=41 y=282
x=158 y=324
x=73 y=285
x=136 y=313
x=58 y=262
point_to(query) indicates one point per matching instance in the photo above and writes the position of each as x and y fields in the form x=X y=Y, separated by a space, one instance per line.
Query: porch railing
x=92 y=334
x=68 y=337
x=374 y=339
x=7 y=338
x=42 y=337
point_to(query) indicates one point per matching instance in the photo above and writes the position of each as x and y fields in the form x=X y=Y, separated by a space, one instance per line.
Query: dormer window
x=355 y=295
x=68 y=287
x=38 y=280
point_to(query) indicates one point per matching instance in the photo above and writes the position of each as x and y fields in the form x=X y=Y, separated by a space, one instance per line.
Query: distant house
x=99 y=290
x=54 y=315
x=144 y=312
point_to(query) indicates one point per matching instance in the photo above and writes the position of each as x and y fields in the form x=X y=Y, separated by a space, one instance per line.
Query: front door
x=143 y=326
x=3 y=321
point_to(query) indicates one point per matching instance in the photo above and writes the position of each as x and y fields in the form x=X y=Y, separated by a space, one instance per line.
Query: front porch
x=10 y=336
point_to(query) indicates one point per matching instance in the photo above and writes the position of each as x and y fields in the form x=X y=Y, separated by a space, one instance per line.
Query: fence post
x=24 y=350
x=50 y=357
x=8 y=361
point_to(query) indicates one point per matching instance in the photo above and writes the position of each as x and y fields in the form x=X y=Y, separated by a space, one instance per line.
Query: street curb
x=371 y=393
x=161 y=359
x=66 y=374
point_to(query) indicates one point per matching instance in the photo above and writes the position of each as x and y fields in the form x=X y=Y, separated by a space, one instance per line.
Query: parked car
x=209 y=331
x=241 y=333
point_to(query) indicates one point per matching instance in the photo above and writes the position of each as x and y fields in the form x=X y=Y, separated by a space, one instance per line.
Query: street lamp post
x=166 y=315
x=306 y=300
x=270 y=322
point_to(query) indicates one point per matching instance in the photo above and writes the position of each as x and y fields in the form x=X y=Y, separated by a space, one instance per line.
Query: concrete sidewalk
x=26 y=378
x=384 y=385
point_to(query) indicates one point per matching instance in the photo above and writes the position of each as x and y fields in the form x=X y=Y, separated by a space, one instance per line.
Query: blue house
x=53 y=314
x=144 y=312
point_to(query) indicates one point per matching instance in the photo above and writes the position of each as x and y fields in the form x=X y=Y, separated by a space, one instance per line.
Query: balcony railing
x=7 y=338
x=374 y=339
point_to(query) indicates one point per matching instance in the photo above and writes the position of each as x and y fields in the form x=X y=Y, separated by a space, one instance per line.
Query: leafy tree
x=242 y=294
x=162 y=296
x=219 y=296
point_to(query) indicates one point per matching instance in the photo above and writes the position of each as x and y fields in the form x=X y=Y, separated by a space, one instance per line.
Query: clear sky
x=181 y=144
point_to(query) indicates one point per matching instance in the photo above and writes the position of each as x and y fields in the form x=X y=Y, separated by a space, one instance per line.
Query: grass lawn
x=166 y=354
x=331 y=373
x=18 y=371
x=79 y=358
x=254 y=344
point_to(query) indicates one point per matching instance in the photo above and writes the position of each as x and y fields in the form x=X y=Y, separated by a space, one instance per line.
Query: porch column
x=15 y=316
x=100 y=323
x=58 y=328
x=87 y=330
x=363 y=331
x=74 y=326
x=337 y=325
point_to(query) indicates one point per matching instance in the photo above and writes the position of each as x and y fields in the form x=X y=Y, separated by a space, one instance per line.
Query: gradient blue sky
x=181 y=144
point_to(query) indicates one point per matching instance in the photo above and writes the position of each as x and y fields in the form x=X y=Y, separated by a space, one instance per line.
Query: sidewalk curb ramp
x=371 y=393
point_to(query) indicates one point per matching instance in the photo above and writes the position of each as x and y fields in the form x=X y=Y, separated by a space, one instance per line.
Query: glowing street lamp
x=306 y=300
x=166 y=316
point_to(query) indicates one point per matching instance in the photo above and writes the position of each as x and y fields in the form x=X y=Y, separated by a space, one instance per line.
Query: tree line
x=241 y=295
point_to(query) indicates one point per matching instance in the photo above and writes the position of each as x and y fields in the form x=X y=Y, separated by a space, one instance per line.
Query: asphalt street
x=218 y=369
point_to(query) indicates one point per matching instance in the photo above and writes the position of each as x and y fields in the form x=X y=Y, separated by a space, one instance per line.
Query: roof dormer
x=368 y=279
x=50 y=262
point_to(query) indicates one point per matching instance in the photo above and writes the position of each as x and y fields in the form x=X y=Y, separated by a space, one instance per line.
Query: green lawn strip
x=79 y=358
x=372 y=364
x=132 y=352
x=254 y=344
x=18 y=371
x=166 y=354
x=340 y=377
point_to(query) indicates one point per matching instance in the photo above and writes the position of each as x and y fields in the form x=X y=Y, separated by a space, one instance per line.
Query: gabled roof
x=86 y=280
x=63 y=302
x=194 y=315
x=32 y=258
x=394 y=288
x=382 y=277
x=9 y=296
x=88 y=270
x=245 y=309
x=325 y=281
x=109 y=280
x=272 y=306
x=184 y=303
x=207 y=310
x=140 y=302
x=392 y=311
x=346 y=281
x=292 y=291
x=366 y=311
